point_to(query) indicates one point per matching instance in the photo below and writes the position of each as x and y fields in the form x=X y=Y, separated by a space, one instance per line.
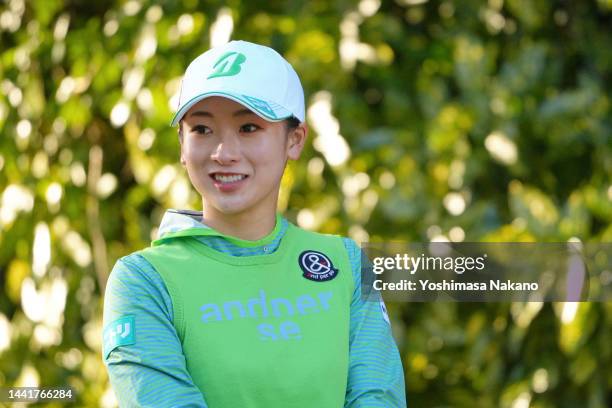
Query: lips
x=227 y=182
x=228 y=177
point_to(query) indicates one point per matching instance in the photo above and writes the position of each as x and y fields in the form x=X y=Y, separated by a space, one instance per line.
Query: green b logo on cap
x=228 y=64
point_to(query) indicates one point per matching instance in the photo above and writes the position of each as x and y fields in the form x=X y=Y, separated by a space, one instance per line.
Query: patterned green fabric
x=265 y=330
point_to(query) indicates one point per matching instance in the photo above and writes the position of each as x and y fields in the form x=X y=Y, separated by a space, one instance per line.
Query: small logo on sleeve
x=317 y=266
x=121 y=332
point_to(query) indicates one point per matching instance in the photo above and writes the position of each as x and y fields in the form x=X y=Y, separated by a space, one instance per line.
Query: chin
x=230 y=208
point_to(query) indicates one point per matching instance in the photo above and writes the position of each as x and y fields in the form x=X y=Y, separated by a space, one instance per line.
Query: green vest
x=265 y=330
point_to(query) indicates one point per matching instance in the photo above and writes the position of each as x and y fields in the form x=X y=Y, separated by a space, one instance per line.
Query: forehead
x=218 y=106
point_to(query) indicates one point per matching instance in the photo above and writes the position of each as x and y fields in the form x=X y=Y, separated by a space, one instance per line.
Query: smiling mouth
x=227 y=177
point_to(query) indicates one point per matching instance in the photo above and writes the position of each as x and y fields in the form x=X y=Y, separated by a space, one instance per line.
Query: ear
x=296 y=140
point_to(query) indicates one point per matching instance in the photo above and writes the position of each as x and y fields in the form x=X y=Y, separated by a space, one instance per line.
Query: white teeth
x=229 y=179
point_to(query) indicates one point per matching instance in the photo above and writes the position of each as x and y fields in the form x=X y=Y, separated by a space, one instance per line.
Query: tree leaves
x=460 y=120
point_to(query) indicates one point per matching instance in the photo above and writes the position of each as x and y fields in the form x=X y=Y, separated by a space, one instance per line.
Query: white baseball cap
x=253 y=75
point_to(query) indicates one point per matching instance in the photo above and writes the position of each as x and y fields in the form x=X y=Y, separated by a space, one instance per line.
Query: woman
x=234 y=306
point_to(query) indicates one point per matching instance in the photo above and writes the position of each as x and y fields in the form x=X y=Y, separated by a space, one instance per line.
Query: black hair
x=292 y=122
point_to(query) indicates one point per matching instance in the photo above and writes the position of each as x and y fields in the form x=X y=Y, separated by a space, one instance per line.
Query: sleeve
x=376 y=377
x=141 y=349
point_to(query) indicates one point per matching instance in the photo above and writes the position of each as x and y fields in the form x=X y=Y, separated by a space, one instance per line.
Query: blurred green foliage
x=467 y=120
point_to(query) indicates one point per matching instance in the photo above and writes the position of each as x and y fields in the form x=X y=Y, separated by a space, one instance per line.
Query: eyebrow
x=240 y=112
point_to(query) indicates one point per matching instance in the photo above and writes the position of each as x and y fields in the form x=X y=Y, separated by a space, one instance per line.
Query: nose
x=227 y=150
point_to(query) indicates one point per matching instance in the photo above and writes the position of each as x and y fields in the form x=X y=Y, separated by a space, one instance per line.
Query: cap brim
x=266 y=110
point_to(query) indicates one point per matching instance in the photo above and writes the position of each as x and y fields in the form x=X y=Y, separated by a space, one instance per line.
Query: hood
x=180 y=220
x=188 y=223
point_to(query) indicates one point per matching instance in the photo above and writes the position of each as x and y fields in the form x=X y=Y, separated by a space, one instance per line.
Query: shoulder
x=134 y=263
x=345 y=244
x=133 y=271
x=134 y=284
x=307 y=234
x=166 y=251
x=350 y=246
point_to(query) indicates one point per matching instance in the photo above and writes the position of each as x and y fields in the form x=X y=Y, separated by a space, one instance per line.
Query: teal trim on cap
x=259 y=110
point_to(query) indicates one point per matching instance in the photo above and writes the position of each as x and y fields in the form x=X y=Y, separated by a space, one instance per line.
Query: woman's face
x=234 y=158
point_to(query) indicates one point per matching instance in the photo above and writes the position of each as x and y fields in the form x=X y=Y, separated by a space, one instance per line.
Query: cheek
x=271 y=152
x=193 y=152
x=271 y=163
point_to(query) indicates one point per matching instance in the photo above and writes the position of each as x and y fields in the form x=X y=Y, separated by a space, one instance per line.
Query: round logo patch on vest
x=317 y=266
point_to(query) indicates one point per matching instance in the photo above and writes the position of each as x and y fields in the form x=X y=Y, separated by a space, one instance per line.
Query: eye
x=201 y=129
x=249 y=128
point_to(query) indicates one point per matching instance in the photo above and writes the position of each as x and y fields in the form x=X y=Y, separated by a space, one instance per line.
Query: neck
x=247 y=226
